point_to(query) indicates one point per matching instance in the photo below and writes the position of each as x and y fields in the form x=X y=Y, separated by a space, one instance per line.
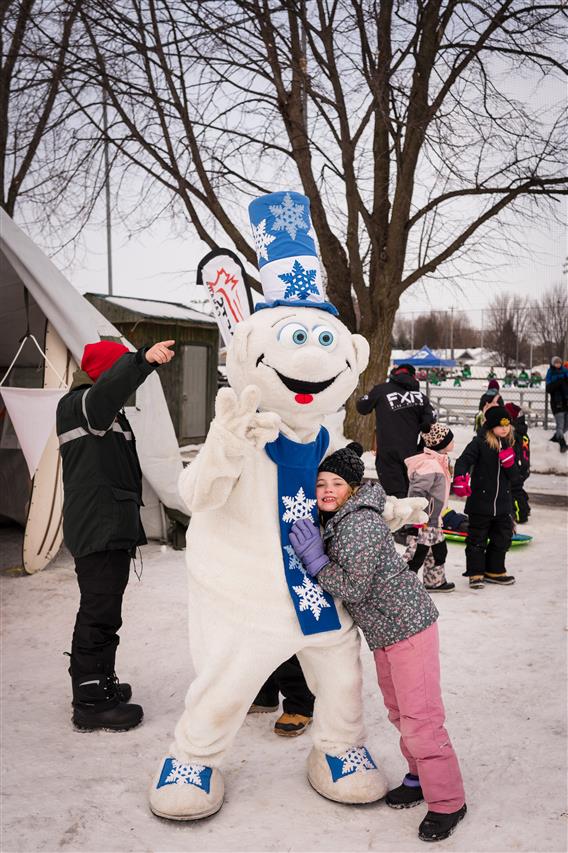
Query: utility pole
x=107 y=195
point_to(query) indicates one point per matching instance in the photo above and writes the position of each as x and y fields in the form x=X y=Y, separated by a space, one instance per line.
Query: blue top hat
x=285 y=247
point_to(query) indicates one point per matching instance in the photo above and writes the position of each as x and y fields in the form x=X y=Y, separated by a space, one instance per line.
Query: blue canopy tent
x=426 y=358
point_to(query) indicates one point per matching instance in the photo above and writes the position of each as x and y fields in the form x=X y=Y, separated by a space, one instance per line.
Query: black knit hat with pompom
x=346 y=463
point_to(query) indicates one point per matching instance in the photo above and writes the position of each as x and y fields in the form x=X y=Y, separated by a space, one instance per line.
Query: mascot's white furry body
x=288 y=367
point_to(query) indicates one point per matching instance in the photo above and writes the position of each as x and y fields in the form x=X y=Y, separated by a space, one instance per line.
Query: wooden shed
x=190 y=381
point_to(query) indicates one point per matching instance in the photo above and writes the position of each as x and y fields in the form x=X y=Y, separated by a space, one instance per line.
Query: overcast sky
x=158 y=266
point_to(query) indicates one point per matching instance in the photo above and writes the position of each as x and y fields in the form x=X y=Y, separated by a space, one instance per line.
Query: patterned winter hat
x=346 y=463
x=286 y=251
x=437 y=436
x=497 y=416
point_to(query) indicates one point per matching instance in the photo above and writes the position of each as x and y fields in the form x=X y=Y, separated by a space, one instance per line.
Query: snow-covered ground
x=504 y=671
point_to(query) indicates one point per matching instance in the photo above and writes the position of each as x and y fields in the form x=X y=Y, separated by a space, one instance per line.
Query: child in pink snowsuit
x=430 y=476
x=357 y=562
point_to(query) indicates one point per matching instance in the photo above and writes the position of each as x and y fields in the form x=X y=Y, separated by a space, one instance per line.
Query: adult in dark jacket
x=401 y=411
x=557 y=388
x=102 y=483
x=490 y=462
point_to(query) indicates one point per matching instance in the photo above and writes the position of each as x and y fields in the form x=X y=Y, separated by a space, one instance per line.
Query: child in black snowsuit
x=522 y=448
x=491 y=459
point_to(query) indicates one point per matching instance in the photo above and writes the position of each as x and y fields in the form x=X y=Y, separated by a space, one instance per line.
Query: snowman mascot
x=251 y=604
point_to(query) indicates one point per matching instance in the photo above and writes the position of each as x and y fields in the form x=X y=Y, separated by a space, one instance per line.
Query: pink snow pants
x=409 y=678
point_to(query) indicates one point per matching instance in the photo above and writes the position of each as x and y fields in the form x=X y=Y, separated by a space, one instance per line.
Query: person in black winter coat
x=491 y=460
x=491 y=397
x=557 y=389
x=522 y=448
x=102 y=483
x=401 y=411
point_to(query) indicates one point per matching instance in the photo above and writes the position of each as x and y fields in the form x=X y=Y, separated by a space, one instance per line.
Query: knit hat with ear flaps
x=437 y=436
x=497 y=416
x=346 y=463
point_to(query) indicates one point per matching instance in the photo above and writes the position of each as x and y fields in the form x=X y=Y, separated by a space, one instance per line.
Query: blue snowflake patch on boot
x=176 y=773
x=349 y=762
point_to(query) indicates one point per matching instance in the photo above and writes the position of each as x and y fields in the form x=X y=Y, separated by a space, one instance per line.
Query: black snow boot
x=407 y=795
x=563 y=445
x=437 y=826
x=98 y=704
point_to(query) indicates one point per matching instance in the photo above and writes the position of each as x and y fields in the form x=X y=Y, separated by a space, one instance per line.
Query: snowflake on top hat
x=287 y=258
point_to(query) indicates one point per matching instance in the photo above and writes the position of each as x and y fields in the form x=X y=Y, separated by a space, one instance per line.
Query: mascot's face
x=304 y=360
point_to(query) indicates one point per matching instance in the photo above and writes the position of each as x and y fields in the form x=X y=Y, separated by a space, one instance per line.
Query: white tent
x=36 y=298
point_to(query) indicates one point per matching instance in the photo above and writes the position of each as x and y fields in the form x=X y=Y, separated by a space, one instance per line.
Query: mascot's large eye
x=325 y=337
x=293 y=335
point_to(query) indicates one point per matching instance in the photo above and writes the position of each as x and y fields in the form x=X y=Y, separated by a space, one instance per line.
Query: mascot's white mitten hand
x=239 y=416
x=401 y=511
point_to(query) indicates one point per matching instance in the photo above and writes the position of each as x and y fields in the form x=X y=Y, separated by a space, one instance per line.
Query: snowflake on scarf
x=356 y=759
x=311 y=597
x=301 y=282
x=185 y=774
x=294 y=561
x=289 y=217
x=262 y=240
x=297 y=507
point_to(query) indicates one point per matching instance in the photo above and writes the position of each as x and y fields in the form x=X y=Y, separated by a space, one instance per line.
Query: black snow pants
x=489 y=539
x=288 y=680
x=102 y=578
x=392 y=474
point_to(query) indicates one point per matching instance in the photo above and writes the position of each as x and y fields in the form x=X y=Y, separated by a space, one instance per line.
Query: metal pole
x=482 y=327
x=452 y=332
x=412 y=333
x=107 y=195
x=517 y=338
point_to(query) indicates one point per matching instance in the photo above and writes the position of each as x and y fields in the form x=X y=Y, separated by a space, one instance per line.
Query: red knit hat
x=493 y=384
x=100 y=356
x=513 y=410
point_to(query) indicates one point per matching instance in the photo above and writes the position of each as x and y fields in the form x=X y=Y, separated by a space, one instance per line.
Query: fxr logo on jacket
x=406 y=400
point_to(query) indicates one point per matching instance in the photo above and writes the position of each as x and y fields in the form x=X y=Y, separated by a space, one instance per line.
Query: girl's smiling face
x=331 y=491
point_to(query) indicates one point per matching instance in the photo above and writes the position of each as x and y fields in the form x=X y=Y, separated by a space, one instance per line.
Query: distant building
x=190 y=382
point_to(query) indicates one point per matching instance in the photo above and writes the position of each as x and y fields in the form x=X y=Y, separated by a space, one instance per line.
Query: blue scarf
x=297 y=472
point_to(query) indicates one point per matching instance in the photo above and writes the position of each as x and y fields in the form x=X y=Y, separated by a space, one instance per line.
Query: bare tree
x=398 y=118
x=508 y=329
x=549 y=322
x=35 y=121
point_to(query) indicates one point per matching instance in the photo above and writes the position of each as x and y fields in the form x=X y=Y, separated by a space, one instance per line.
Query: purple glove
x=308 y=545
x=462 y=486
x=507 y=457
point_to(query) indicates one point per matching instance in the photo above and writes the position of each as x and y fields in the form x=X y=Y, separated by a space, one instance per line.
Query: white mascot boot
x=186 y=791
x=352 y=777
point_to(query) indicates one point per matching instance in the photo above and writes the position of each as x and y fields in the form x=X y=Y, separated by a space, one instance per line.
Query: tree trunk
x=362 y=427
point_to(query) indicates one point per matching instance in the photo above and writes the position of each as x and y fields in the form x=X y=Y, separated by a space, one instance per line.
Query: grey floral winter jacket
x=385 y=599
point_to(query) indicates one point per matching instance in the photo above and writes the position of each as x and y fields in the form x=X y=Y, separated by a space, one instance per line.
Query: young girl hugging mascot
x=251 y=603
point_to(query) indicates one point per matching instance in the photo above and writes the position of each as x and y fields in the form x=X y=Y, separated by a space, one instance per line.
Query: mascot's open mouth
x=303 y=390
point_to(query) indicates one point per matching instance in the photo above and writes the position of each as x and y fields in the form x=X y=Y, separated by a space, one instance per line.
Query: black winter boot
x=97 y=704
x=123 y=688
x=437 y=826
x=407 y=795
x=563 y=445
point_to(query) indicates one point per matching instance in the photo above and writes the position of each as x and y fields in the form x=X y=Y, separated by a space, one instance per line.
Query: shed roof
x=156 y=308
